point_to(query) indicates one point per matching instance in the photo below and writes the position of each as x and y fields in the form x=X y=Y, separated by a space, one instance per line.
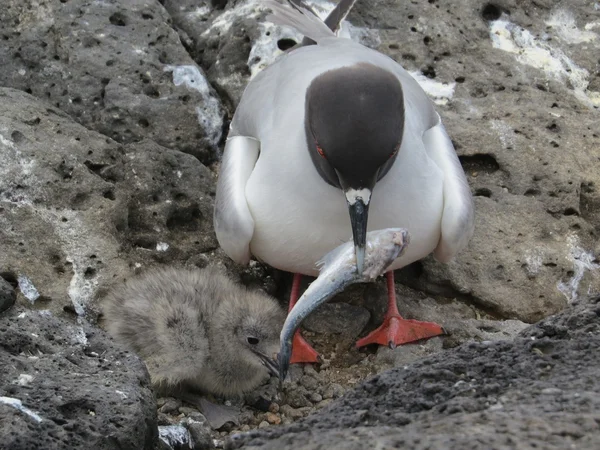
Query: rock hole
x=429 y=72
x=532 y=192
x=89 y=272
x=118 y=19
x=481 y=162
x=10 y=278
x=152 y=92
x=460 y=79
x=109 y=194
x=143 y=123
x=17 y=136
x=491 y=12
x=184 y=218
x=285 y=44
x=483 y=192
x=570 y=212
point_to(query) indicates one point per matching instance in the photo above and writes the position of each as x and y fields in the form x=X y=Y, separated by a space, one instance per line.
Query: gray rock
x=7 y=295
x=80 y=212
x=108 y=66
x=338 y=318
x=201 y=434
x=478 y=395
x=66 y=385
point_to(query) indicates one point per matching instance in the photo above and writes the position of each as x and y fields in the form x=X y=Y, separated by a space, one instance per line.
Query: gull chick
x=197 y=330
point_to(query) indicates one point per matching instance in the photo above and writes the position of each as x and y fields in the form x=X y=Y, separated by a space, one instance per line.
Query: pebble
x=297 y=398
x=263 y=424
x=334 y=390
x=324 y=403
x=187 y=410
x=274 y=407
x=201 y=436
x=170 y=405
x=164 y=420
x=316 y=398
x=272 y=418
x=245 y=427
x=290 y=412
x=309 y=382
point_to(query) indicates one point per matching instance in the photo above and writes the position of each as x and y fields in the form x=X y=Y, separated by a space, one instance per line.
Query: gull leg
x=396 y=330
x=302 y=351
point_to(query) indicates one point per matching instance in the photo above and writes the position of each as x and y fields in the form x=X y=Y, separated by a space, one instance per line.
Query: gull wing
x=233 y=221
x=458 y=214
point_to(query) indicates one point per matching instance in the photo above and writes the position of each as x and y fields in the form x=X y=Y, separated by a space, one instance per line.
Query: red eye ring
x=320 y=150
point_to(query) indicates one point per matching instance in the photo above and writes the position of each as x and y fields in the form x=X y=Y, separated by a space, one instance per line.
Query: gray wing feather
x=233 y=221
x=458 y=215
x=299 y=17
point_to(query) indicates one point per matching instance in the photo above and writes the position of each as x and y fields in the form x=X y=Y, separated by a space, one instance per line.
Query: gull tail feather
x=297 y=15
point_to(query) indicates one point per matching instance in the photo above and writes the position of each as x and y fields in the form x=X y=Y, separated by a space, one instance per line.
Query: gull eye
x=252 y=340
x=320 y=151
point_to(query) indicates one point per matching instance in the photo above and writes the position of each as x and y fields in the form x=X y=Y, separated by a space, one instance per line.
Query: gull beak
x=358 y=207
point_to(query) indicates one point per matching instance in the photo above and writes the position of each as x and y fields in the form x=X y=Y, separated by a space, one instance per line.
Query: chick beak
x=271 y=364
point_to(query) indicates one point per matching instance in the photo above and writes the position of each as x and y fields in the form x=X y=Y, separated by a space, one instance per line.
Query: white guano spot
x=505 y=133
x=563 y=22
x=210 y=112
x=582 y=261
x=23 y=380
x=28 y=289
x=17 y=404
x=175 y=435
x=534 y=259
x=122 y=394
x=538 y=53
x=439 y=92
x=162 y=247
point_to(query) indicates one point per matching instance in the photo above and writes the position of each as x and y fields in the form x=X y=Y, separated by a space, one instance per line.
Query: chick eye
x=252 y=340
x=320 y=150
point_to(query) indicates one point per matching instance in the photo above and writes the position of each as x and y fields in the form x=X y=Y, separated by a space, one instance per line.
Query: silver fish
x=337 y=271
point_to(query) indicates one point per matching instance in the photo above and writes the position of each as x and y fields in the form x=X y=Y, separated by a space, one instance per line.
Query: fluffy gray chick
x=197 y=329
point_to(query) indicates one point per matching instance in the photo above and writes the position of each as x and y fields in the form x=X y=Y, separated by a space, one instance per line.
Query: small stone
x=263 y=424
x=196 y=417
x=274 y=407
x=245 y=427
x=310 y=370
x=163 y=419
x=309 y=383
x=201 y=435
x=290 y=412
x=187 y=410
x=315 y=398
x=272 y=418
x=323 y=403
x=297 y=398
x=338 y=390
x=170 y=405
